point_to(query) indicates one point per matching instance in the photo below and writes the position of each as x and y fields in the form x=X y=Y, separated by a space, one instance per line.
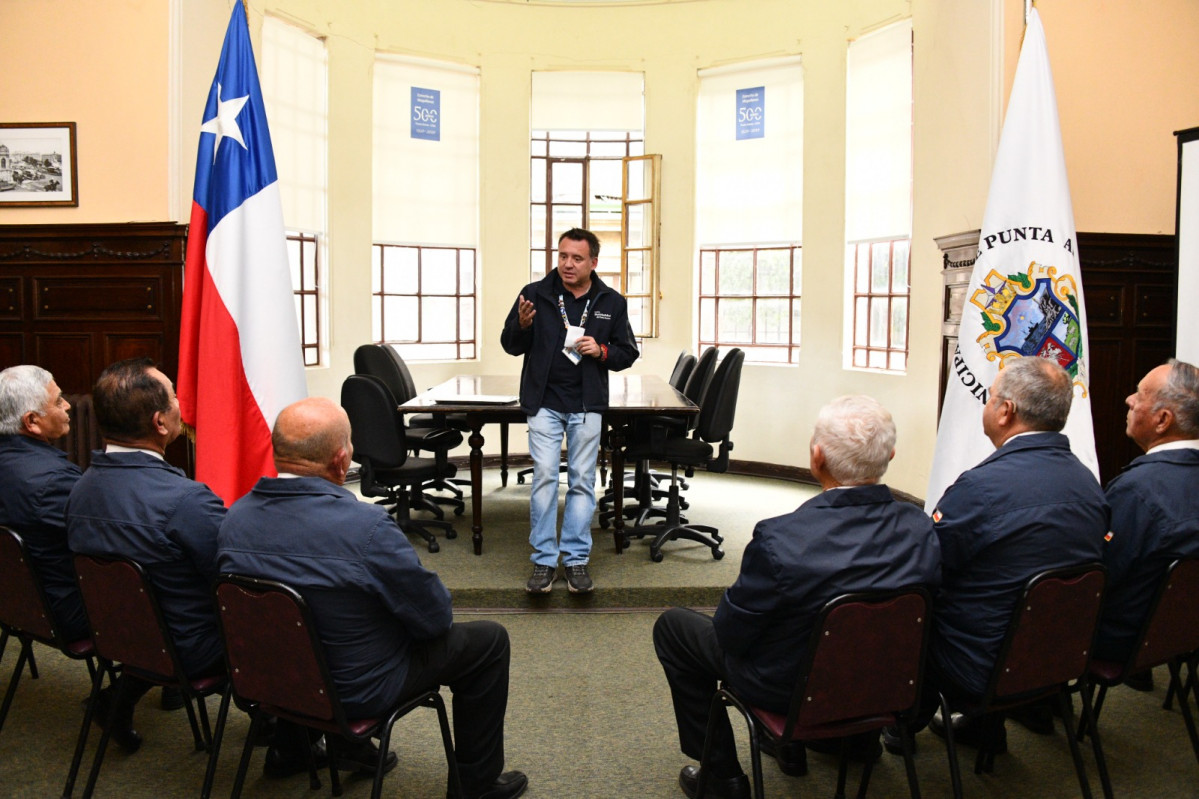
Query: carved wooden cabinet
x=75 y=298
x=1129 y=283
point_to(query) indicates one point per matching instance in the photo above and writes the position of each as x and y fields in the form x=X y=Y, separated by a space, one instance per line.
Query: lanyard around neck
x=582 y=319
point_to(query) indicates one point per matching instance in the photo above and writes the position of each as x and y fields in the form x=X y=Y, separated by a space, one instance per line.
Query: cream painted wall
x=1117 y=130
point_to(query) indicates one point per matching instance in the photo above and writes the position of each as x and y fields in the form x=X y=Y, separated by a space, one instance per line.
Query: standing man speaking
x=572 y=329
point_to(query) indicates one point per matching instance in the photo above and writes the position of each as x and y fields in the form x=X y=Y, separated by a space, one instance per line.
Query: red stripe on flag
x=233 y=440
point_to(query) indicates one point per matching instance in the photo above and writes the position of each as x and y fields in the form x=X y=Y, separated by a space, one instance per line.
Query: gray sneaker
x=542 y=580
x=578 y=580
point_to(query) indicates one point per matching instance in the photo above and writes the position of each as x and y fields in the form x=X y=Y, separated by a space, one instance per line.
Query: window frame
x=465 y=347
x=794 y=297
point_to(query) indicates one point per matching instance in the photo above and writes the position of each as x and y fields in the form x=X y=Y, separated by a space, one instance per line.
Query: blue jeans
x=582 y=431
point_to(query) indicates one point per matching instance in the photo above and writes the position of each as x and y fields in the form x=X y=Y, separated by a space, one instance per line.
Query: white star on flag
x=225 y=122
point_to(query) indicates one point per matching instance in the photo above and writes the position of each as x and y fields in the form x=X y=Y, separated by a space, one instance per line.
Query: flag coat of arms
x=239 y=354
x=1025 y=294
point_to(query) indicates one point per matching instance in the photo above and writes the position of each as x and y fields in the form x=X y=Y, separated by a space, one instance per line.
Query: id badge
x=573 y=334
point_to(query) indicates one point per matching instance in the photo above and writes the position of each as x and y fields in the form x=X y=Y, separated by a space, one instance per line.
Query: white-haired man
x=854 y=536
x=37 y=479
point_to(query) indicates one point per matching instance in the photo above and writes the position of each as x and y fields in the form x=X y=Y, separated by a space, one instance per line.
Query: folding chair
x=128 y=630
x=1047 y=646
x=25 y=615
x=1169 y=635
x=862 y=672
x=265 y=623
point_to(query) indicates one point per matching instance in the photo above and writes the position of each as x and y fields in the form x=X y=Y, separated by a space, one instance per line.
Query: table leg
x=503 y=454
x=476 y=484
x=617 y=441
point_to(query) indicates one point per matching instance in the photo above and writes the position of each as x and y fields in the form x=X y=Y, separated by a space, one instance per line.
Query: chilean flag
x=239 y=349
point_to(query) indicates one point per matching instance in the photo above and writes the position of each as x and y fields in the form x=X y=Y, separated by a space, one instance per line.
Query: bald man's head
x=312 y=438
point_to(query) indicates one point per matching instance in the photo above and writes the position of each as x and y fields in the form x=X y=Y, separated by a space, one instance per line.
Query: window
x=304 y=257
x=880 y=303
x=295 y=91
x=749 y=208
x=878 y=197
x=425 y=194
x=750 y=298
x=586 y=125
x=424 y=300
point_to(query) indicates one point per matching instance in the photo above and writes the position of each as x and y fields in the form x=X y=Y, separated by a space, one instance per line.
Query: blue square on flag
x=426 y=114
x=751 y=113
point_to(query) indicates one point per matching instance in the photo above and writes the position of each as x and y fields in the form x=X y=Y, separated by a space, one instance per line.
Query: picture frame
x=38 y=164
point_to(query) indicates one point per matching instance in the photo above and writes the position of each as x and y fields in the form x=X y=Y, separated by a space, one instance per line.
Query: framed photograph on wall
x=37 y=164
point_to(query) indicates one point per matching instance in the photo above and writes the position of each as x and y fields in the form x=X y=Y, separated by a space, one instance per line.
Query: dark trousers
x=693 y=662
x=472 y=659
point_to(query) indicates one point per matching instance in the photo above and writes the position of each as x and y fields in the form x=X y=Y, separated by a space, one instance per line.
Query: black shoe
x=508 y=785
x=1140 y=681
x=716 y=787
x=282 y=763
x=172 y=698
x=122 y=722
x=578 y=581
x=972 y=733
x=360 y=756
x=892 y=743
x=1037 y=717
x=863 y=748
x=542 y=581
x=791 y=756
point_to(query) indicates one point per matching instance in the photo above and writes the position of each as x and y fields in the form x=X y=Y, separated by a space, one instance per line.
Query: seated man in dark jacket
x=35 y=480
x=1028 y=507
x=385 y=621
x=132 y=503
x=854 y=536
x=1154 y=502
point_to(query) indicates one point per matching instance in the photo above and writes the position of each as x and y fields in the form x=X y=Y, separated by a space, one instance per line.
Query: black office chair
x=388 y=471
x=714 y=427
x=423 y=430
x=646 y=483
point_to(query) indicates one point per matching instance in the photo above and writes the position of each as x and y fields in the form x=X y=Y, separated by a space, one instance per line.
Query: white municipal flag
x=1025 y=295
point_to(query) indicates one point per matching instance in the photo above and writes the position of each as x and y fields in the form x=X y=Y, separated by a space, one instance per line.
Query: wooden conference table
x=482 y=399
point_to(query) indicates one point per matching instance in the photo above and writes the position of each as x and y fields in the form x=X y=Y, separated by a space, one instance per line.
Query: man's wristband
x=603 y=352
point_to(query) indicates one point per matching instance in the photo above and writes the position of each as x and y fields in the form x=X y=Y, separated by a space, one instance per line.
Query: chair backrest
x=377 y=427
x=1052 y=632
x=383 y=362
x=1172 y=628
x=865 y=658
x=23 y=606
x=719 y=407
x=124 y=615
x=697 y=382
x=683 y=366
x=266 y=623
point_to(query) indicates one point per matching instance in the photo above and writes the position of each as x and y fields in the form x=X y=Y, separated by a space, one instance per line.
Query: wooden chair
x=265 y=623
x=1046 y=648
x=1169 y=635
x=862 y=672
x=25 y=615
x=129 y=632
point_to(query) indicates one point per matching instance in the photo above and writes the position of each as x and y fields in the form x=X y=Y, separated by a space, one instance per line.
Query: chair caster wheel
x=717 y=553
x=655 y=555
x=603 y=523
x=459 y=511
x=434 y=546
x=520 y=478
x=451 y=533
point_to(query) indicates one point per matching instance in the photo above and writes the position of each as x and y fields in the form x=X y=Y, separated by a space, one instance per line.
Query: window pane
x=439 y=271
x=466 y=270
x=735 y=323
x=774 y=272
x=899 y=323
x=862 y=268
x=795 y=329
x=605 y=183
x=537 y=180
x=880 y=267
x=403 y=267
x=537 y=232
x=861 y=317
x=566 y=181
x=707 y=272
x=878 y=322
x=438 y=319
x=637 y=232
x=638 y=273
x=773 y=322
x=797 y=277
x=736 y=272
x=466 y=317
x=565 y=217
x=707 y=319
x=376 y=270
